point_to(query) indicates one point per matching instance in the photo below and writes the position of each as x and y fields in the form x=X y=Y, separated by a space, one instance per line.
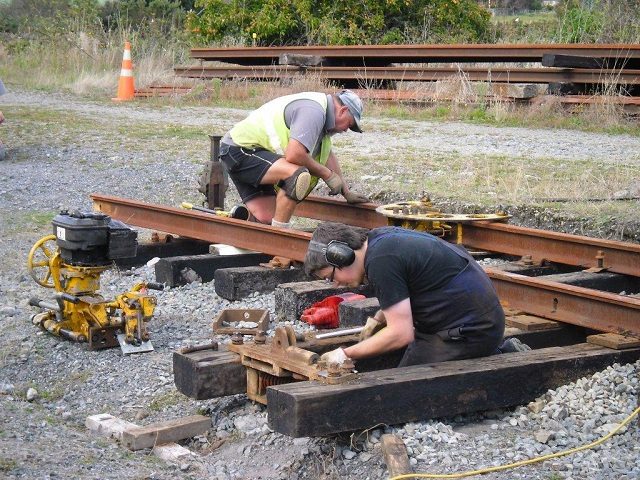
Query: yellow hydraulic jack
x=71 y=262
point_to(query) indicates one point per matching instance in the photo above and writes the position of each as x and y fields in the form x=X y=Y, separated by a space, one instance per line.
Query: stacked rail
x=568 y=68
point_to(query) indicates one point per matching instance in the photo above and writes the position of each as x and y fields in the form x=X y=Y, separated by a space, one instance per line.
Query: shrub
x=303 y=22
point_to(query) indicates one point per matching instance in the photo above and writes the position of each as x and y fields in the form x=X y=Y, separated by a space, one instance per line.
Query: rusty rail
x=575 y=305
x=417 y=74
x=581 y=251
x=204 y=226
x=386 y=54
x=588 y=308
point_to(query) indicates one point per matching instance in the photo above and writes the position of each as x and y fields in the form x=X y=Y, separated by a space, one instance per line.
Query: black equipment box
x=93 y=238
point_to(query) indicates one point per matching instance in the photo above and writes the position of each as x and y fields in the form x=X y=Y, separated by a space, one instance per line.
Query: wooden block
x=516 y=90
x=531 y=323
x=572 y=61
x=304 y=409
x=238 y=283
x=614 y=340
x=209 y=374
x=292 y=298
x=395 y=455
x=169 y=270
x=170 y=431
x=511 y=312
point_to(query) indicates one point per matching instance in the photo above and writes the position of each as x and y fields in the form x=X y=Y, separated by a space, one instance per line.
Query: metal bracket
x=243 y=321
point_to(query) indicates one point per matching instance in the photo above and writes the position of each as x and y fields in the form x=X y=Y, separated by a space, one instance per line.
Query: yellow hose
x=523 y=462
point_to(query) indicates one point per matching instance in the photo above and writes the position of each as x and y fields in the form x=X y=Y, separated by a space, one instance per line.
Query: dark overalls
x=464 y=318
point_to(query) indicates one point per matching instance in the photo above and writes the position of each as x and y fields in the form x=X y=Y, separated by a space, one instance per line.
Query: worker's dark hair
x=315 y=259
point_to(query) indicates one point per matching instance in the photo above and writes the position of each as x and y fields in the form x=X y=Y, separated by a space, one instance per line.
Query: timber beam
x=408 y=394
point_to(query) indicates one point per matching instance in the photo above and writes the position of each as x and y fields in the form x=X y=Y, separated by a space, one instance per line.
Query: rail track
x=598 y=310
x=554 y=317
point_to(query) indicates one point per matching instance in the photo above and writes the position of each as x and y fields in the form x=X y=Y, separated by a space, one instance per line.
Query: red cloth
x=324 y=314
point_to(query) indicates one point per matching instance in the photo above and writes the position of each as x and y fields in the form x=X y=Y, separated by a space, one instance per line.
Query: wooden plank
x=613 y=340
x=398 y=395
x=531 y=323
x=109 y=426
x=138 y=438
x=395 y=455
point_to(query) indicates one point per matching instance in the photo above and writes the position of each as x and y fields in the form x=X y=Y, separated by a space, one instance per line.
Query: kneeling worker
x=435 y=300
x=287 y=143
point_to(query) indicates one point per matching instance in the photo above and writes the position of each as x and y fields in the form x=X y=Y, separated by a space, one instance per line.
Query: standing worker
x=286 y=143
x=436 y=302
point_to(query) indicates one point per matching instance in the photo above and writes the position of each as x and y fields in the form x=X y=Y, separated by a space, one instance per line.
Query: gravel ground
x=49 y=386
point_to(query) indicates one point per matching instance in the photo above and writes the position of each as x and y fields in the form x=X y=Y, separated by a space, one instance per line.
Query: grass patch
x=163 y=401
x=7 y=464
x=26 y=221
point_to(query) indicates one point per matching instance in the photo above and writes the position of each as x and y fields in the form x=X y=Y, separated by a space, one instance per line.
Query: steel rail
x=575 y=305
x=385 y=54
x=588 y=308
x=204 y=226
x=418 y=74
x=576 y=250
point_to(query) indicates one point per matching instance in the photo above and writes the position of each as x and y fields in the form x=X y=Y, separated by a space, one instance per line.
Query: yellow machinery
x=420 y=215
x=71 y=262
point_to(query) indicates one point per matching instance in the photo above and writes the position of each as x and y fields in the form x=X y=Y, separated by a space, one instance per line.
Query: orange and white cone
x=126 y=89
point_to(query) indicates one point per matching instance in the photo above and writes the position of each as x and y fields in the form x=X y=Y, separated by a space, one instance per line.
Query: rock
x=32 y=394
x=6 y=388
x=537 y=406
x=8 y=311
x=543 y=436
x=348 y=454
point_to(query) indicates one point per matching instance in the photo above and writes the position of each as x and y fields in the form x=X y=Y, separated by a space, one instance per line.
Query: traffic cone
x=126 y=89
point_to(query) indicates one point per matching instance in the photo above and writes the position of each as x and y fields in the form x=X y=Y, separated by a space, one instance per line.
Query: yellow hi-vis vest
x=266 y=128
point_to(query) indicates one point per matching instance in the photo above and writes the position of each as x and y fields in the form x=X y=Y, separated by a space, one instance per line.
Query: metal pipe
x=339 y=333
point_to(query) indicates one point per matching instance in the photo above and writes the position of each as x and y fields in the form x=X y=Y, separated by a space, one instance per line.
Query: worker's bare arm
x=398 y=333
x=297 y=153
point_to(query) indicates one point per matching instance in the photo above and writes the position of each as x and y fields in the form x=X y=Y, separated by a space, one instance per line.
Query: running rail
x=566 y=303
x=576 y=250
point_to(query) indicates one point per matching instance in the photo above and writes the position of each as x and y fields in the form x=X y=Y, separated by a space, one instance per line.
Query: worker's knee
x=262 y=217
x=296 y=187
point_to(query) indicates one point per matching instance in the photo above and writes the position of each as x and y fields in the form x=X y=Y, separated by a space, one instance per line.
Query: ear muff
x=337 y=254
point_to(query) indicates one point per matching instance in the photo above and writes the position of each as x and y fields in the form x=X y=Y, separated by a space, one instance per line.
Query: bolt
x=237 y=339
x=260 y=338
x=348 y=366
x=333 y=370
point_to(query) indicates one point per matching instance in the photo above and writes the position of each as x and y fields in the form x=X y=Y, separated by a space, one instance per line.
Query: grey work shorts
x=246 y=168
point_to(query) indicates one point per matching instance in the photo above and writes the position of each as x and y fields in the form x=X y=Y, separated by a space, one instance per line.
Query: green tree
x=336 y=23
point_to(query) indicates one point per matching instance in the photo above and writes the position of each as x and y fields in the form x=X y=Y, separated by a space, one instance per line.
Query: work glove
x=334 y=182
x=334 y=356
x=371 y=327
x=352 y=197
